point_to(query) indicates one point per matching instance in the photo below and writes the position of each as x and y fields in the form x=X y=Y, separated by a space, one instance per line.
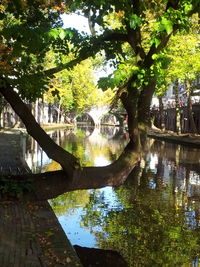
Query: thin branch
x=86 y=52
x=134 y=35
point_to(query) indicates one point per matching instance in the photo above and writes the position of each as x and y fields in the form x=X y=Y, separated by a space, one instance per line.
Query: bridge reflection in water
x=152 y=219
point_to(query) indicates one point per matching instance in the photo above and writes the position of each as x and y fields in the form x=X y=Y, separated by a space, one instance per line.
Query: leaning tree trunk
x=193 y=127
x=51 y=184
x=55 y=152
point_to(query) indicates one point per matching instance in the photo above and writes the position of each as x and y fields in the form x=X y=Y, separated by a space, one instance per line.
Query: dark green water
x=152 y=219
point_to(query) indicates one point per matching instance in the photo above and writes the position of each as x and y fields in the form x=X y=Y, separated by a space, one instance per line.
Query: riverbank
x=168 y=136
x=46 y=127
x=55 y=126
x=31 y=236
x=182 y=139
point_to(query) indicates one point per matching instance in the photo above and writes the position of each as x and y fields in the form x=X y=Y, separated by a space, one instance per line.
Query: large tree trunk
x=189 y=107
x=51 y=184
x=144 y=103
x=55 y=152
x=130 y=103
x=137 y=104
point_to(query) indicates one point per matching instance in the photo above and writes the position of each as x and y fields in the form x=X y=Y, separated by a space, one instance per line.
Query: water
x=152 y=219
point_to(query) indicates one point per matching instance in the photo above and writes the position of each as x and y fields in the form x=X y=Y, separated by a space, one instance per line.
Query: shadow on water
x=152 y=219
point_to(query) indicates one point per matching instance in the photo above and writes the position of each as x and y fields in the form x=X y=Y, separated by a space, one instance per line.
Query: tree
x=73 y=90
x=184 y=67
x=136 y=71
x=145 y=27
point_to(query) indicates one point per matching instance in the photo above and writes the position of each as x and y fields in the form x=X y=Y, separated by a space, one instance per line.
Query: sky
x=81 y=24
x=75 y=21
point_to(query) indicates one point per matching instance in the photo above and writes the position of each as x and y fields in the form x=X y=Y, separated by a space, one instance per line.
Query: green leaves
x=60 y=33
x=106 y=82
x=164 y=24
x=155 y=41
x=134 y=21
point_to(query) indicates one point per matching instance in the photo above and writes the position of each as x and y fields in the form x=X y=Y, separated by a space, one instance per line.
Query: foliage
x=184 y=55
x=131 y=34
x=180 y=59
x=27 y=34
x=76 y=89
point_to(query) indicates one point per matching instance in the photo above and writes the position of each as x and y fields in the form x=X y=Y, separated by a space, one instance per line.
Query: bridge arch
x=113 y=118
x=98 y=113
x=85 y=117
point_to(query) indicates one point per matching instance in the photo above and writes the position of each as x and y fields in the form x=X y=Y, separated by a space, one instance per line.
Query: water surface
x=152 y=219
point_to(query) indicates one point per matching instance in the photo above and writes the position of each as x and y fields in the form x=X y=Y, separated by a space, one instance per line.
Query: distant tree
x=184 y=54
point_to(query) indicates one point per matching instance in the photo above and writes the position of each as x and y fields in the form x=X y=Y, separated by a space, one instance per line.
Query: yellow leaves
x=4 y=60
x=114 y=20
x=68 y=260
x=49 y=233
x=2 y=8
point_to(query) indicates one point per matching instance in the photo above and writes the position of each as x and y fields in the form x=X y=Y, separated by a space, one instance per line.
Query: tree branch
x=134 y=35
x=87 y=51
x=51 y=184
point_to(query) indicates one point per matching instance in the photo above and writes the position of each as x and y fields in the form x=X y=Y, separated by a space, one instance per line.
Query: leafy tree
x=147 y=30
x=73 y=90
x=184 y=54
x=30 y=30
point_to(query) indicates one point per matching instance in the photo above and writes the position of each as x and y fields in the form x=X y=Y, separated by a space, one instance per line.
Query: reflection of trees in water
x=181 y=166
x=182 y=154
x=148 y=227
x=88 y=144
x=68 y=202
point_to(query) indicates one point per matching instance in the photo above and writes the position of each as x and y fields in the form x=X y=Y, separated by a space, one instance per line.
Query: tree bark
x=55 y=152
x=189 y=107
x=144 y=103
x=51 y=184
x=130 y=102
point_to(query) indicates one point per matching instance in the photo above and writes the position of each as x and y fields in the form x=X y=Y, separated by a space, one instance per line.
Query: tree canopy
x=131 y=34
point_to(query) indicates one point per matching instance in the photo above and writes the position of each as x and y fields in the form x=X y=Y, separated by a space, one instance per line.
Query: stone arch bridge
x=98 y=112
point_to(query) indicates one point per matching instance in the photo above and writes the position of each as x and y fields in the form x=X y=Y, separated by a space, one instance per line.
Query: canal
x=152 y=219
